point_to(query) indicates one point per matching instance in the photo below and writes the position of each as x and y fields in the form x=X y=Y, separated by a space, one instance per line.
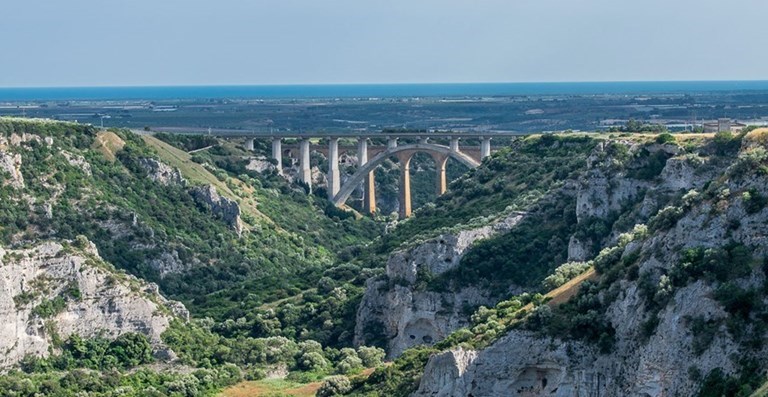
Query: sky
x=52 y=43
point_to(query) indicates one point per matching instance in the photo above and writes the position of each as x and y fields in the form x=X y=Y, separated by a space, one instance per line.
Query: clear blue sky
x=196 y=42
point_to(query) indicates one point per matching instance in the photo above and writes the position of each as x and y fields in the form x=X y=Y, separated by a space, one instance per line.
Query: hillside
x=625 y=264
x=220 y=243
x=674 y=229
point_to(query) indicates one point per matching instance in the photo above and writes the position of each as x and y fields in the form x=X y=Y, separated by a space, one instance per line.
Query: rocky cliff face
x=227 y=209
x=53 y=290
x=614 y=185
x=10 y=164
x=162 y=173
x=657 y=352
x=394 y=308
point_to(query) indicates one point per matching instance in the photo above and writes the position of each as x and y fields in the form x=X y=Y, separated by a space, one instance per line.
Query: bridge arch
x=403 y=153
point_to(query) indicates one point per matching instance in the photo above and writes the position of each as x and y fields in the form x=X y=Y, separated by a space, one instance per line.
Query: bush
x=334 y=386
x=665 y=138
x=371 y=356
x=312 y=361
x=665 y=219
x=564 y=273
x=726 y=143
x=754 y=202
x=349 y=362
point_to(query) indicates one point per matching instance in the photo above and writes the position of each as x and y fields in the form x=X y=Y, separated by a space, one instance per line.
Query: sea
x=373 y=90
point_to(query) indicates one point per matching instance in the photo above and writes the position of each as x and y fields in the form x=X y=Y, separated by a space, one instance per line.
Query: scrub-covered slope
x=675 y=229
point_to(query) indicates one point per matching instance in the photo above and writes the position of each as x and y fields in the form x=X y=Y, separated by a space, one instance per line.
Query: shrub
x=665 y=138
x=312 y=361
x=50 y=307
x=334 y=386
x=564 y=273
x=371 y=356
x=726 y=143
x=665 y=219
x=754 y=201
x=349 y=362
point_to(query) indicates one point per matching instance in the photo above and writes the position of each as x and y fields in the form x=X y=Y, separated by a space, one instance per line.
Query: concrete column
x=454 y=144
x=391 y=143
x=485 y=147
x=442 y=182
x=305 y=173
x=405 y=184
x=248 y=144
x=334 y=181
x=369 y=186
x=277 y=154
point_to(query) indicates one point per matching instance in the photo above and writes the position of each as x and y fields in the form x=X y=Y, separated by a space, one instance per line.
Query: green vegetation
x=127 y=351
x=280 y=255
x=524 y=256
x=285 y=293
x=197 y=345
x=514 y=178
x=638 y=126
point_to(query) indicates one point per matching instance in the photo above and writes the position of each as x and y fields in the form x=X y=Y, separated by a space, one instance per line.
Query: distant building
x=723 y=125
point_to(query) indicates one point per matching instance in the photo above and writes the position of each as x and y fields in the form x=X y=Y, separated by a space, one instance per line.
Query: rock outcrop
x=162 y=173
x=10 y=164
x=644 y=361
x=78 y=161
x=259 y=164
x=97 y=300
x=393 y=308
x=227 y=209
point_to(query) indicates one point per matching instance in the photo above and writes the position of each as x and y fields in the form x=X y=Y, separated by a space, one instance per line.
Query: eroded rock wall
x=395 y=308
x=99 y=301
x=643 y=362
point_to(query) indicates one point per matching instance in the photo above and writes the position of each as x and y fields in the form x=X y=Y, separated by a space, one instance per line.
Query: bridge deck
x=353 y=134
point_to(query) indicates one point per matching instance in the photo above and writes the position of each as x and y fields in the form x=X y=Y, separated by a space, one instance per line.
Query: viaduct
x=370 y=156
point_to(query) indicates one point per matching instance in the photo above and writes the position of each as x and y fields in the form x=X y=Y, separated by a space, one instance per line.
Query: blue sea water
x=373 y=90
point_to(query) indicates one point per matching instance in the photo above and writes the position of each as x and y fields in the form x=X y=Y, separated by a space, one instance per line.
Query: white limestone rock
x=10 y=164
x=259 y=164
x=411 y=317
x=78 y=161
x=162 y=173
x=109 y=303
x=523 y=363
x=227 y=209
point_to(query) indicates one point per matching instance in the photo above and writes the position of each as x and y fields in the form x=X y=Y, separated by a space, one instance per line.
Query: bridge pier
x=334 y=178
x=369 y=185
x=305 y=171
x=405 y=184
x=277 y=154
x=391 y=143
x=485 y=147
x=455 y=144
x=248 y=144
x=442 y=180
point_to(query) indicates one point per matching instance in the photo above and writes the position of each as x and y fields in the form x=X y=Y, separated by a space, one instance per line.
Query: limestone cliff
x=227 y=209
x=161 y=172
x=394 y=308
x=53 y=290
x=668 y=340
x=10 y=164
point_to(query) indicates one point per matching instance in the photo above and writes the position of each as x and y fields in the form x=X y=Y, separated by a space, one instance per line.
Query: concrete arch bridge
x=369 y=157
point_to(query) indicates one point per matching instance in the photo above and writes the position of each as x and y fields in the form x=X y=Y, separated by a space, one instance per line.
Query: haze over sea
x=372 y=90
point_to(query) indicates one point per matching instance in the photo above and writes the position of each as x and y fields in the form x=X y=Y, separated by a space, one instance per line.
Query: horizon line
x=377 y=84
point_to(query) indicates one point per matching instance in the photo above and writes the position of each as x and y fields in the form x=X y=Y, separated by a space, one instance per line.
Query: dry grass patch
x=108 y=144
